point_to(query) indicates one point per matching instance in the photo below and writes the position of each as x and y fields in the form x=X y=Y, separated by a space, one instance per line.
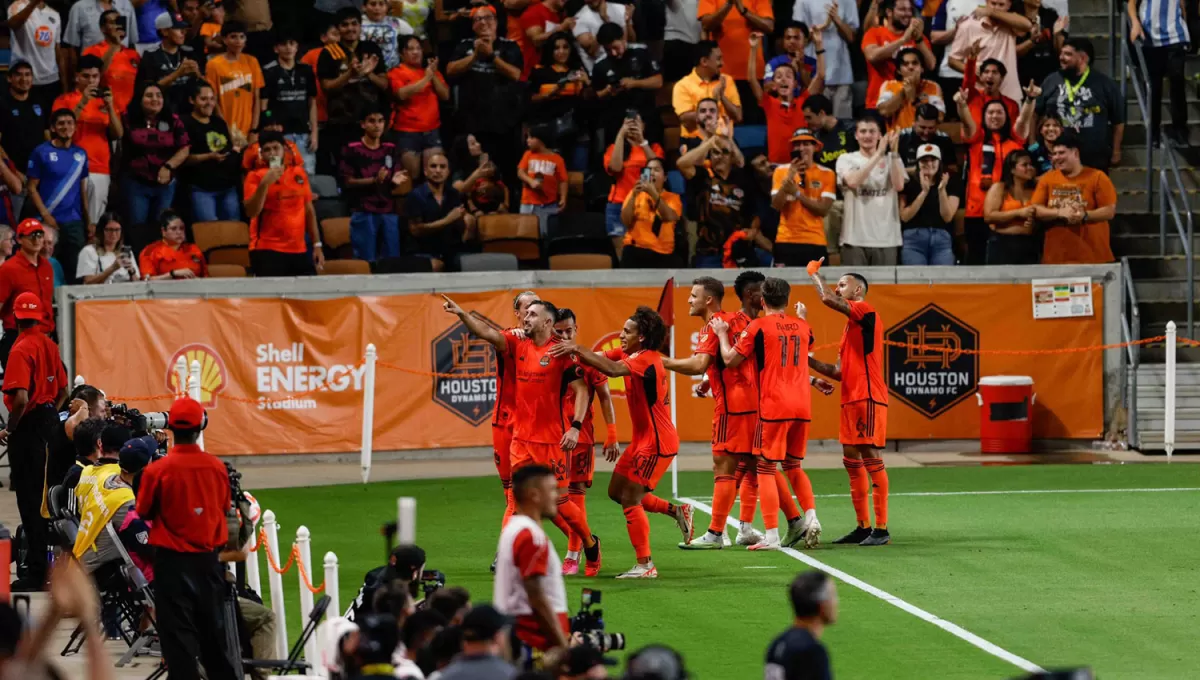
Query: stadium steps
x=1151 y=401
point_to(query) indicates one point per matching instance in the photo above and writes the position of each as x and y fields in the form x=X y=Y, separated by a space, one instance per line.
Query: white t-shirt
x=955 y=9
x=91 y=262
x=385 y=34
x=683 y=22
x=37 y=41
x=526 y=551
x=588 y=20
x=872 y=217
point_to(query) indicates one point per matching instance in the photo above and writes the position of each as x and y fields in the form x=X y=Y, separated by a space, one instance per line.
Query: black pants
x=189 y=596
x=6 y=344
x=274 y=263
x=28 y=452
x=977 y=233
x=633 y=257
x=1167 y=62
x=797 y=254
x=1014 y=249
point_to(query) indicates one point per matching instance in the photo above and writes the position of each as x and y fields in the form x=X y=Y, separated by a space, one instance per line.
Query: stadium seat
x=671 y=138
x=226 y=271
x=676 y=183
x=346 y=268
x=330 y=207
x=404 y=265
x=750 y=137
x=582 y=233
x=324 y=186
x=952 y=129
x=335 y=235
x=488 y=262
x=575 y=200
x=516 y=234
x=580 y=261
x=223 y=242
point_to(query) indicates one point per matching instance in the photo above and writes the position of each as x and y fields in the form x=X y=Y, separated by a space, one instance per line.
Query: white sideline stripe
x=1012 y=492
x=954 y=629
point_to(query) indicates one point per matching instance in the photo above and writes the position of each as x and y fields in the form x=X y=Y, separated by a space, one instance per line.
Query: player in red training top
x=542 y=434
x=502 y=413
x=655 y=441
x=864 y=401
x=582 y=461
x=779 y=345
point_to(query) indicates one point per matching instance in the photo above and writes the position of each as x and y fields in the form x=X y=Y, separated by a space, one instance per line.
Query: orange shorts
x=583 y=464
x=733 y=434
x=502 y=450
x=643 y=468
x=533 y=453
x=864 y=423
x=776 y=440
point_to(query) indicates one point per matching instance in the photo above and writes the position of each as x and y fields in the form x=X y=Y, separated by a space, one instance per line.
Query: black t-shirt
x=797 y=655
x=345 y=105
x=1042 y=60
x=545 y=79
x=910 y=142
x=637 y=63
x=158 y=64
x=489 y=102
x=288 y=93
x=719 y=207
x=834 y=143
x=22 y=128
x=211 y=137
x=929 y=216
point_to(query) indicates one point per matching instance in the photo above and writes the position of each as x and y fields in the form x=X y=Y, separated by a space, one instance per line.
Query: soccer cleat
x=683 y=518
x=641 y=571
x=725 y=542
x=812 y=537
x=592 y=567
x=494 y=561
x=856 y=537
x=570 y=567
x=877 y=537
x=707 y=541
x=765 y=545
x=795 y=533
x=748 y=535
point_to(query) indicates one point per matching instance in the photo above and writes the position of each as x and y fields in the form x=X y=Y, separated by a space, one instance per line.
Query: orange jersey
x=798 y=224
x=121 y=74
x=594 y=379
x=91 y=130
x=779 y=345
x=311 y=58
x=506 y=388
x=542 y=383
x=648 y=389
x=734 y=389
x=861 y=355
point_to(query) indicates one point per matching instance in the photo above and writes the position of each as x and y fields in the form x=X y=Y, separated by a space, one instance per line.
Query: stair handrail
x=1131 y=331
x=1169 y=179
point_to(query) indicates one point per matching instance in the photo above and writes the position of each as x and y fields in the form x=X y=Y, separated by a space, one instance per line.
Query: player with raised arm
x=502 y=413
x=864 y=401
x=655 y=441
x=779 y=346
x=542 y=434
x=582 y=461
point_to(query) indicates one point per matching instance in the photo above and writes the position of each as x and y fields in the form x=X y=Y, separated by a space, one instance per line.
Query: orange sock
x=798 y=478
x=768 y=495
x=579 y=498
x=652 y=503
x=859 y=484
x=509 y=505
x=724 y=491
x=571 y=519
x=786 y=502
x=748 y=490
x=639 y=530
x=879 y=480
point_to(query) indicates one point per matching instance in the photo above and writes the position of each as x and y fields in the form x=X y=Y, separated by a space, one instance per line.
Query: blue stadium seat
x=675 y=183
x=750 y=136
x=577 y=158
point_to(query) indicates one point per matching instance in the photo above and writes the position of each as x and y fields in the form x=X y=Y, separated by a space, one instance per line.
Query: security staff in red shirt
x=26 y=271
x=35 y=387
x=186 y=496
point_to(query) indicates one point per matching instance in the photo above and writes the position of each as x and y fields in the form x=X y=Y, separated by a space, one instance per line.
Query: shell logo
x=616 y=386
x=213 y=376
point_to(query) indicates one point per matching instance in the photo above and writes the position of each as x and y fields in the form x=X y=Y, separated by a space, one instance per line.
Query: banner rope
x=293 y=560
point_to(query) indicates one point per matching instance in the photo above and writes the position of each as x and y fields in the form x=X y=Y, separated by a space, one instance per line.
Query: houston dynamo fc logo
x=467 y=367
x=616 y=386
x=935 y=367
x=213 y=376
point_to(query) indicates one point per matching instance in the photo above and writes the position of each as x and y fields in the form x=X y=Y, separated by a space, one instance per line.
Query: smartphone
x=276 y=162
x=631 y=114
x=645 y=174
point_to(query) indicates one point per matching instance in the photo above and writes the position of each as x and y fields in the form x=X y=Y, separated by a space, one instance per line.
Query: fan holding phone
x=107 y=259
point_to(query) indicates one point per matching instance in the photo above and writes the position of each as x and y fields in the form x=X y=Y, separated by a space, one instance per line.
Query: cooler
x=1005 y=413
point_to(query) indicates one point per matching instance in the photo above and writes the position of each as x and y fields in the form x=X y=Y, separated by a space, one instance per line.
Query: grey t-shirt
x=478 y=668
x=1092 y=109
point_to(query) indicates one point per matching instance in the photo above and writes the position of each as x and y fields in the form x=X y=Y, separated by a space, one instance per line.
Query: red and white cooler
x=1006 y=413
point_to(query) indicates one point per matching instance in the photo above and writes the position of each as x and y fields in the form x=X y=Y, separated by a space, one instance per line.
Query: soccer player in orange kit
x=655 y=441
x=779 y=345
x=864 y=401
x=542 y=434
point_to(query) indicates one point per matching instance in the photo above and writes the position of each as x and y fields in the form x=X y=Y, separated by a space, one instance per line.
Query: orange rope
x=293 y=559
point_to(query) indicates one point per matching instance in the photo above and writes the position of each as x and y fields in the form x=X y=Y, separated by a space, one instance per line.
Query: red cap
x=481 y=10
x=29 y=226
x=28 y=306
x=185 y=414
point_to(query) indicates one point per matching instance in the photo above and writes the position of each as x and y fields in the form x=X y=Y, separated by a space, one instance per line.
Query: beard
x=1070 y=72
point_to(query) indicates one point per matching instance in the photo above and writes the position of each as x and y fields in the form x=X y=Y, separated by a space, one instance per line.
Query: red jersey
x=34 y=365
x=594 y=379
x=185 y=495
x=19 y=275
x=506 y=388
x=779 y=345
x=542 y=384
x=861 y=356
x=648 y=391
x=734 y=389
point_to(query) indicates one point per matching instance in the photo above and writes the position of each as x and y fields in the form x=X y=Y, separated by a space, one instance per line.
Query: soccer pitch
x=1057 y=565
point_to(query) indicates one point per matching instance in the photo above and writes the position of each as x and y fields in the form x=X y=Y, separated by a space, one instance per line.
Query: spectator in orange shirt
x=252 y=158
x=731 y=22
x=417 y=90
x=210 y=30
x=625 y=160
x=237 y=78
x=1075 y=202
x=706 y=81
x=899 y=98
x=650 y=213
x=802 y=192
x=783 y=103
x=881 y=44
x=331 y=34
x=544 y=174
x=97 y=120
x=171 y=258
x=119 y=63
x=279 y=203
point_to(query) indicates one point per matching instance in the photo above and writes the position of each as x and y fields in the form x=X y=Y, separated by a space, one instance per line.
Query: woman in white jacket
x=107 y=259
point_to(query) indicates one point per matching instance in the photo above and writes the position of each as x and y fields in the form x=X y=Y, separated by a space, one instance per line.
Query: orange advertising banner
x=286 y=376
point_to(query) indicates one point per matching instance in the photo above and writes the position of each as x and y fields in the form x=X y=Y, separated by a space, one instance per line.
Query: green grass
x=1107 y=580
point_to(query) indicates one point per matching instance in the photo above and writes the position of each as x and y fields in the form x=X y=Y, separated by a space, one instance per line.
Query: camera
x=431 y=581
x=588 y=623
x=140 y=423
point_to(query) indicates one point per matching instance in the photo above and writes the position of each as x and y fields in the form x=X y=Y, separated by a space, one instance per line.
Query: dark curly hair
x=745 y=279
x=650 y=327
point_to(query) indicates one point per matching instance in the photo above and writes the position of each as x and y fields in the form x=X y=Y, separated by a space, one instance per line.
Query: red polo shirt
x=18 y=275
x=34 y=365
x=186 y=495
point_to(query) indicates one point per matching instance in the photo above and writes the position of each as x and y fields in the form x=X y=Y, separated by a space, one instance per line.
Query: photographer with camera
x=585 y=663
x=187 y=496
x=485 y=635
x=406 y=563
x=84 y=403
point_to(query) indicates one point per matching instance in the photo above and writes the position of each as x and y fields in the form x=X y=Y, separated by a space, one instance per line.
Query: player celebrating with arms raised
x=655 y=441
x=864 y=401
x=502 y=426
x=541 y=433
